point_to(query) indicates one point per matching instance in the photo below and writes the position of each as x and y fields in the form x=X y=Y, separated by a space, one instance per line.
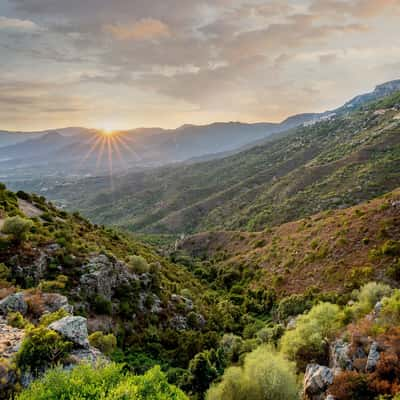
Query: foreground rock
x=10 y=339
x=14 y=303
x=316 y=381
x=73 y=329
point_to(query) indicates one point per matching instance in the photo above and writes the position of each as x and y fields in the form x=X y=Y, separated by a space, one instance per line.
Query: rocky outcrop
x=317 y=378
x=14 y=303
x=340 y=359
x=73 y=329
x=89 y=355
x=54 y=302
x=373 y=357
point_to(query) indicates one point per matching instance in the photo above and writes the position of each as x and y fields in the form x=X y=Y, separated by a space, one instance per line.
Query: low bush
x=47 y=319
x=138 y=264
x=17 y=227
x=105 y=343
x=16 y=320
x=107 y=382
x=350 y=385
x=41 y=349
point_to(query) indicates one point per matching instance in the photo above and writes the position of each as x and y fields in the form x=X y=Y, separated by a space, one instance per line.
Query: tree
x=17 y=227
x=265 y=375
x=203 y=372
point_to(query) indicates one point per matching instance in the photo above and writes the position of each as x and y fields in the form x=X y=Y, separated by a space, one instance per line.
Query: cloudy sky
x=129 y=63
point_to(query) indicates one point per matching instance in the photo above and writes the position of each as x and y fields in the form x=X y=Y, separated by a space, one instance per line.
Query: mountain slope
x=330 y=164
x=331 y=251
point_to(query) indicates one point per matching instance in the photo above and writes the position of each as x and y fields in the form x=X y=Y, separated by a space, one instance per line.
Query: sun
x=107 y=131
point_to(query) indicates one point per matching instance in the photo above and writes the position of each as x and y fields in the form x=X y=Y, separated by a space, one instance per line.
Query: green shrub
x=17 y=227
x=105 y=343
x=16 y=320
x=265 y=375
x=9 y=385
x=138 y=264
x=107 y=382
x=368 y=296
x=390 y=312
x=47 y=319
x=41 y=349
x=102 y=306
x=293 y=305
x=308 y=341
x=391 y=248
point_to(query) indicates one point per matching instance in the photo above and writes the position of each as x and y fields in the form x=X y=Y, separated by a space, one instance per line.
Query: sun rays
x=109 y=150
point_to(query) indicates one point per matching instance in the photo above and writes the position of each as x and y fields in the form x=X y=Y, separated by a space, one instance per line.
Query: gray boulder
x=73 y=329
x=54 y=302
x=316 y=381
x=373 y=357
x=14 y=303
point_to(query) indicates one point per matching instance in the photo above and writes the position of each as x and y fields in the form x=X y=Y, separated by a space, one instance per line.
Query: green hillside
x=331 y=164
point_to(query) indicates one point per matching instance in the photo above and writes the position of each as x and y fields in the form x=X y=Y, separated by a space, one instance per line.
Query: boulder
x=73 y=329
x=373 y=357
x=54 y=302
x=89 y=355
x=316 y=381
x=14 y=303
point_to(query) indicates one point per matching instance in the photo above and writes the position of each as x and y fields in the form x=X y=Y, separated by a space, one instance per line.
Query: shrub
x=102 y=306
x=202 y=371
x=390 y=312
x=138 y=264
x=47 y=319
x=16 y=320
x=308 y=341
x=106 y=382
x=17 y=227
x=105 y=343
x=8 y=380
x=292 y=305
x=41 y=349
x=350 y=385
x=265 y=375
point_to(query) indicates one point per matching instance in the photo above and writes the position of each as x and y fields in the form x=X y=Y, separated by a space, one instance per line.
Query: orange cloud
x=145 y=29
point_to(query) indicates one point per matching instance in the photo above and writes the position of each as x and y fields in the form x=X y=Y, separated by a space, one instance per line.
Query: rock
x=291 y=323
x=377 y=309
x=316 y=381
x=340 y=359
x=10 y=339
x=179 y=323
x=329 y=397
x=90 y=355
x=373 y=357
x=54 y=302
x=73 y=329
x=176 y=298
x=14 y=303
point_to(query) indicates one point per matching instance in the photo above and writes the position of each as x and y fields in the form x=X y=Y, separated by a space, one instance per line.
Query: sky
x=127 y=63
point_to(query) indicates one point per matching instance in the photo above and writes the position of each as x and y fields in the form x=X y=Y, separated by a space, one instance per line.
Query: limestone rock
x=89 y=355
x=54 y=302
x=10 y=339
x=73 y=329
x=14 y=303
x=316 y=381
x=340 y=359
x=373 y=357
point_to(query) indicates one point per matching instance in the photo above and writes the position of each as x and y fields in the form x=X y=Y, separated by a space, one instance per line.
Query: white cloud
x=18 y=25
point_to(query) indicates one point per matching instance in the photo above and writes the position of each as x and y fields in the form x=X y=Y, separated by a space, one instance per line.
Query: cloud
x=18 y=25
x=145 y=29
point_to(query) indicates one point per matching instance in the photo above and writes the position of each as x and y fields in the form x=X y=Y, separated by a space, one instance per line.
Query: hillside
x=330 y=164
x=333 y=251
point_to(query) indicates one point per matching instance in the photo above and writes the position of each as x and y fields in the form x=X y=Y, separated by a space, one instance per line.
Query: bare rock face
x=14 y=303
x=73 y=329
x=10 y=339
x=90 y=355
x=103 y=276
x=316 y=381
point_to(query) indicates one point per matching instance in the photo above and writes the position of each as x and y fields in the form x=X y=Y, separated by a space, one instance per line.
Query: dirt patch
x=29 y=209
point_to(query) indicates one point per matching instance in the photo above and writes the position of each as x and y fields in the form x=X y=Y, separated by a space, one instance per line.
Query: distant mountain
x=337 y=162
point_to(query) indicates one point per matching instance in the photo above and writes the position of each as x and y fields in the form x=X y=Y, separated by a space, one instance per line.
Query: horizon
x=138 y=64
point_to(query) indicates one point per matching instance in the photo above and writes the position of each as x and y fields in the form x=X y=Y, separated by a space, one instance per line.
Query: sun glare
x=107 y=131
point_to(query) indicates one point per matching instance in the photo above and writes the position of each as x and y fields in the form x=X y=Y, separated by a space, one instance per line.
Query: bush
x=107 y=382
x=47 y=319
x=369 y=295
x=350 y=385
x=102 y=306
x=307 y=343
x=292 y=306
x=17 y=227
x=105 y=343
x=42 y=348
x=138 y=265
x=390 y=312
x=16 y=320
x=8 y=380
x=265 y=375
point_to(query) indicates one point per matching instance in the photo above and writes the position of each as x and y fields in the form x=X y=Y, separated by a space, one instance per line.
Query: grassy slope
x=333 y=251
x=329 y=165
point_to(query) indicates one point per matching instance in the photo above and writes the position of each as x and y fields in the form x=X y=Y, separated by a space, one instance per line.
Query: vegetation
x=107 y=382
x=265 y=375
